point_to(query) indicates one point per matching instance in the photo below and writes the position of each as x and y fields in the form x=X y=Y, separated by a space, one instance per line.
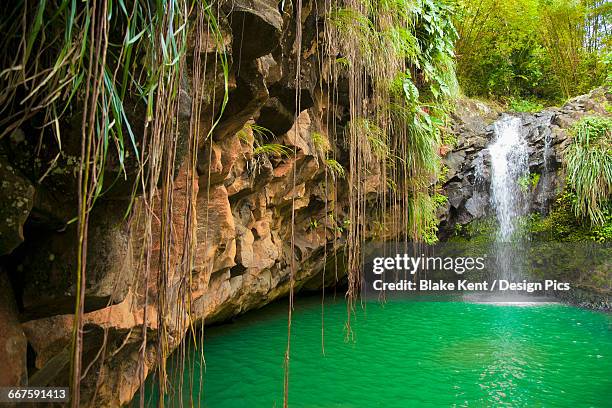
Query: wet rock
x=217 y=160
x=278 y=113
x=455 y=161
x=276 y=117
x=15 y=205
x=547 y=136
x=48 y=266
x=272 y=69
x=477 y=204
x=216 y=231
x=244 y=101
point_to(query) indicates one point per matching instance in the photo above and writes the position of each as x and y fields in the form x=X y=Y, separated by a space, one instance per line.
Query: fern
x=335 y=168
x=320 y=143
x=273 y=149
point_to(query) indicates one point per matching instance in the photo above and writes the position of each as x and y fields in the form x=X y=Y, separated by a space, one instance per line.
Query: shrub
x=523 y=105
x=589 y=167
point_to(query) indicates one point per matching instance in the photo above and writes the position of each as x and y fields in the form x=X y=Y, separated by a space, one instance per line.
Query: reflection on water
x=405 y=353
x=517 y=300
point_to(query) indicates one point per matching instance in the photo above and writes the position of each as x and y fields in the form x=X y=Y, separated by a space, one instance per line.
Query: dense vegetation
x=583 y=212
x=589 y=167
x=399 y=55
x=546 y=50
x=562 y=225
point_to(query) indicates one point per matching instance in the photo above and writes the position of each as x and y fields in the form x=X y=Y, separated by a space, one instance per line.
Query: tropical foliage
x=399 y=55
x=545 y=49
x=589 y=168
x=562 y=225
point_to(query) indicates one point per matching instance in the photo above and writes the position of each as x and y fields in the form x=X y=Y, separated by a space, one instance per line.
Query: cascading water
x=479 y=169
x=509 y=162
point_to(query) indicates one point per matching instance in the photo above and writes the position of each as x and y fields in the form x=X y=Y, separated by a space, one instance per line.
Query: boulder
x=256 y=28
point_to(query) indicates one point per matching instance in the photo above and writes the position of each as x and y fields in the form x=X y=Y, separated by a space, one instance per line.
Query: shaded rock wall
x=244 y=210
x=13 y=343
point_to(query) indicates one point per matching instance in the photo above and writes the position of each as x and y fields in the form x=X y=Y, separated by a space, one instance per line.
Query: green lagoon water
x=408 y=353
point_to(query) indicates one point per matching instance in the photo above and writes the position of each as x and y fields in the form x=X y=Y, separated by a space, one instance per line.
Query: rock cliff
x=244 y=216
x=467 y=184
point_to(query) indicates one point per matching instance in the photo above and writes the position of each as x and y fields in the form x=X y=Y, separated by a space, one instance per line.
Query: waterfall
x=479 y=169
x=546 y=152
x=509 y=162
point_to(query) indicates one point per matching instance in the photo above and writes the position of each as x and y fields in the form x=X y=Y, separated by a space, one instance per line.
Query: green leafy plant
x=562 y=224
x=313 y=224
x=481 y=230
x=320 y=143
x=528 y=182
x=449 y=139
x=524 y=105
x=335 y=168
x=262 y=155
x=263 y=152
x=272 y=149
x=440 y=200
x=260 y=132
x=589 y=167
x=531 y=49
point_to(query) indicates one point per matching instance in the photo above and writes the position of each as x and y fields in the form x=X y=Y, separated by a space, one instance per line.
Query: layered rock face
x=547 y=134
x=246 y=200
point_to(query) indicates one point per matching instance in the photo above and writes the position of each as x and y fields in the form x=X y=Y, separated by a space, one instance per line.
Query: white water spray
x=509 y=162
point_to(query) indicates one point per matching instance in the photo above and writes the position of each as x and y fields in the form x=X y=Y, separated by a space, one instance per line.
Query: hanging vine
x=98 y=59
x=398 y=57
